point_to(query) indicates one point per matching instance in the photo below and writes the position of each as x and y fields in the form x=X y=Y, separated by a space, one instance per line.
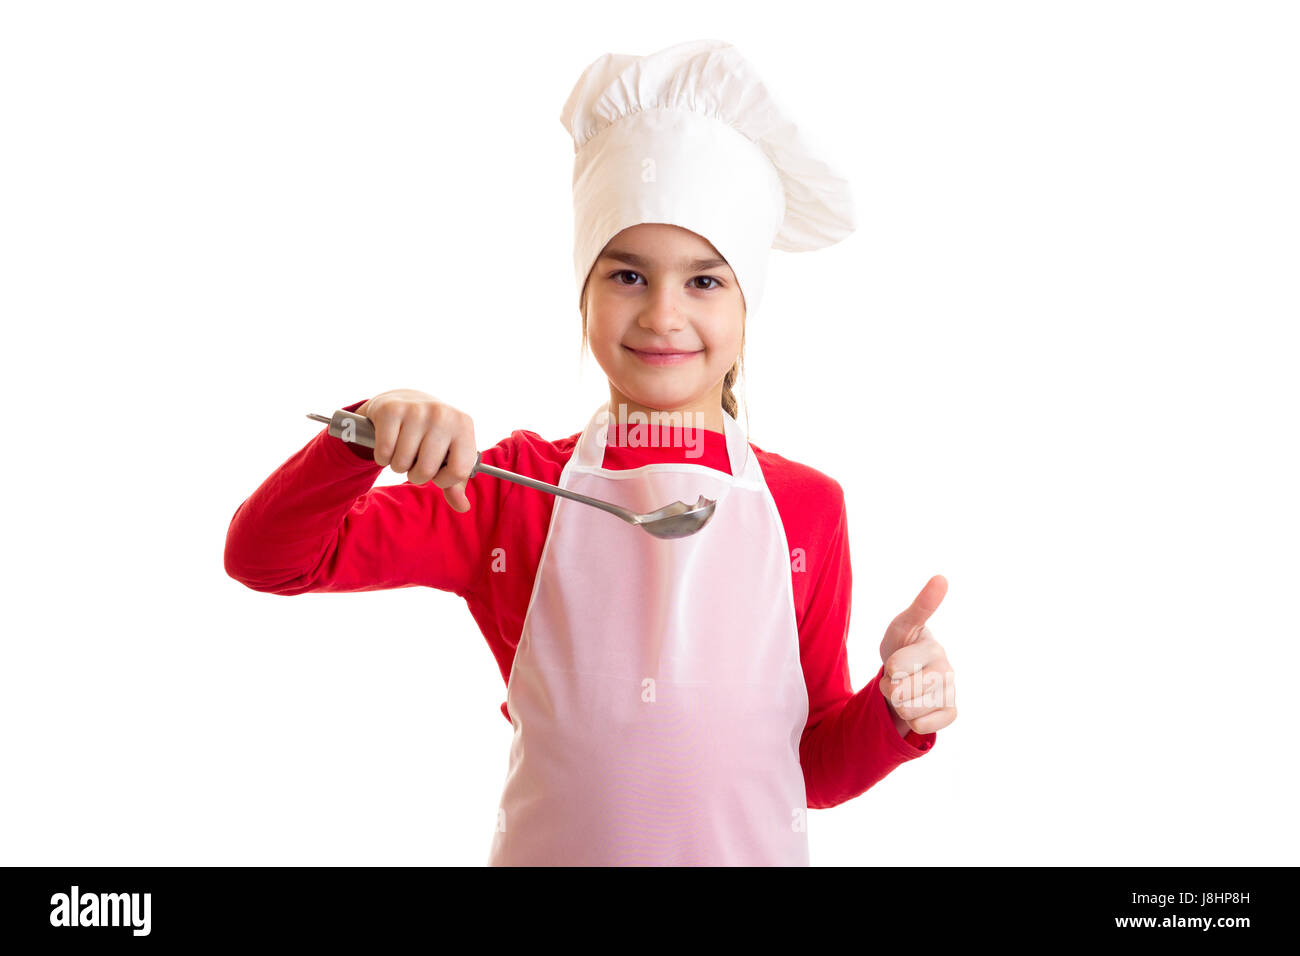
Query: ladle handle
x=351 y=427
x=359 y=430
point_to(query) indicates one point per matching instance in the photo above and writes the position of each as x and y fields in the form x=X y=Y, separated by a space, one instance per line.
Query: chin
x=651 y=397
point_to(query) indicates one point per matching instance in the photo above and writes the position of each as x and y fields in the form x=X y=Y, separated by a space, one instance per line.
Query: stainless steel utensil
x=677 y=520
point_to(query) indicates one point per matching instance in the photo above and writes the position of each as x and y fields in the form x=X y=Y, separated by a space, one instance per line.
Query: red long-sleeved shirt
x=318 y=524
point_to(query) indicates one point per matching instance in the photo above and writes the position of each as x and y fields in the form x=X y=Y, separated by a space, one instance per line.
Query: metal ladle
x=677 y=520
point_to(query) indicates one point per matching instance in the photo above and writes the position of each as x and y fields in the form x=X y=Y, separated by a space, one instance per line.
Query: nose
x=660 y=313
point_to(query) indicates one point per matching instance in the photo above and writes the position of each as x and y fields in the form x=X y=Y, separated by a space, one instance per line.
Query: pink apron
x=657 y=694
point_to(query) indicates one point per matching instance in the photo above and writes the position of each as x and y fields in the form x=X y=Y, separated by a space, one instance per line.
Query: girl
x=674 y=701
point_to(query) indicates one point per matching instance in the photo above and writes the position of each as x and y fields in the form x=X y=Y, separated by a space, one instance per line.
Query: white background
x=1055 y=363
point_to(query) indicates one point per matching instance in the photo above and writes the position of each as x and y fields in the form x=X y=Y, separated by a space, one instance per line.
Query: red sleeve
x=850 y=742
x=318 y=524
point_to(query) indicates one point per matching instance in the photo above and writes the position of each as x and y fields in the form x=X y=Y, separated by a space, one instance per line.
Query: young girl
x=674 y=701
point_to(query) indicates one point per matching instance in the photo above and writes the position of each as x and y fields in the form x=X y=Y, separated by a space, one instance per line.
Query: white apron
x=657 y=694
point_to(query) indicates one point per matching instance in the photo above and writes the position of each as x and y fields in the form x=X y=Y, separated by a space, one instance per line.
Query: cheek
x=604 y=340
x=599 y=329
x=723 y=344
x=607 y=326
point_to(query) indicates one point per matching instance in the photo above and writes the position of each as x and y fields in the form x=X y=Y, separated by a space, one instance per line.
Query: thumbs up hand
x=918 y=681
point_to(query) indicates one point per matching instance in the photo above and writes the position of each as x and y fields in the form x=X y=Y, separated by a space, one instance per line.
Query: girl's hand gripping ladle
x=677 y=520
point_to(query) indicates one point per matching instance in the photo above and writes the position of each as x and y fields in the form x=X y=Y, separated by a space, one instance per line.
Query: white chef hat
x=690 y=136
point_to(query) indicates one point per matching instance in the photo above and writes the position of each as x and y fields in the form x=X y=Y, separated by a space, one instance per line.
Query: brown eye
x=716 y=283
x=627 y=272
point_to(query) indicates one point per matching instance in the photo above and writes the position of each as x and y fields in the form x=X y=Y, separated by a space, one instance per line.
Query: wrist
x=899 y=724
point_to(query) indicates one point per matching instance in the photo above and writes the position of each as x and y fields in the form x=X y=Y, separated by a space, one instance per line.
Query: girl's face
x=659 y=288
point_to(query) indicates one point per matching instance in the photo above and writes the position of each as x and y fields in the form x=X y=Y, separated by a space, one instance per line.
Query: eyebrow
x=685 y=265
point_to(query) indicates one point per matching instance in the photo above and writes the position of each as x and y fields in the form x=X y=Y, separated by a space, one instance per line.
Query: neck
x=705 y=412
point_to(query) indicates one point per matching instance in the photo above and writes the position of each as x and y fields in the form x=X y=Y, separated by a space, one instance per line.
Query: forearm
x=280 y=533
x=284 y=529
x=854 y=746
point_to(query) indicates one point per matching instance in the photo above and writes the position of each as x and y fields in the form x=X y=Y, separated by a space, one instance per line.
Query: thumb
x=908 y=624
x=457 y=498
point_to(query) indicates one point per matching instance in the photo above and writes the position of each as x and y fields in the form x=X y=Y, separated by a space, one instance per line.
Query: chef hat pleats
x=690 y=136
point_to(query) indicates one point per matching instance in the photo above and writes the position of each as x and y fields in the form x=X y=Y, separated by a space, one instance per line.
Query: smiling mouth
x=662 y=358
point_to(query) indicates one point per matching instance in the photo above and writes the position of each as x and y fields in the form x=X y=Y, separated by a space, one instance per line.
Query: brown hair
x=728 y=380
